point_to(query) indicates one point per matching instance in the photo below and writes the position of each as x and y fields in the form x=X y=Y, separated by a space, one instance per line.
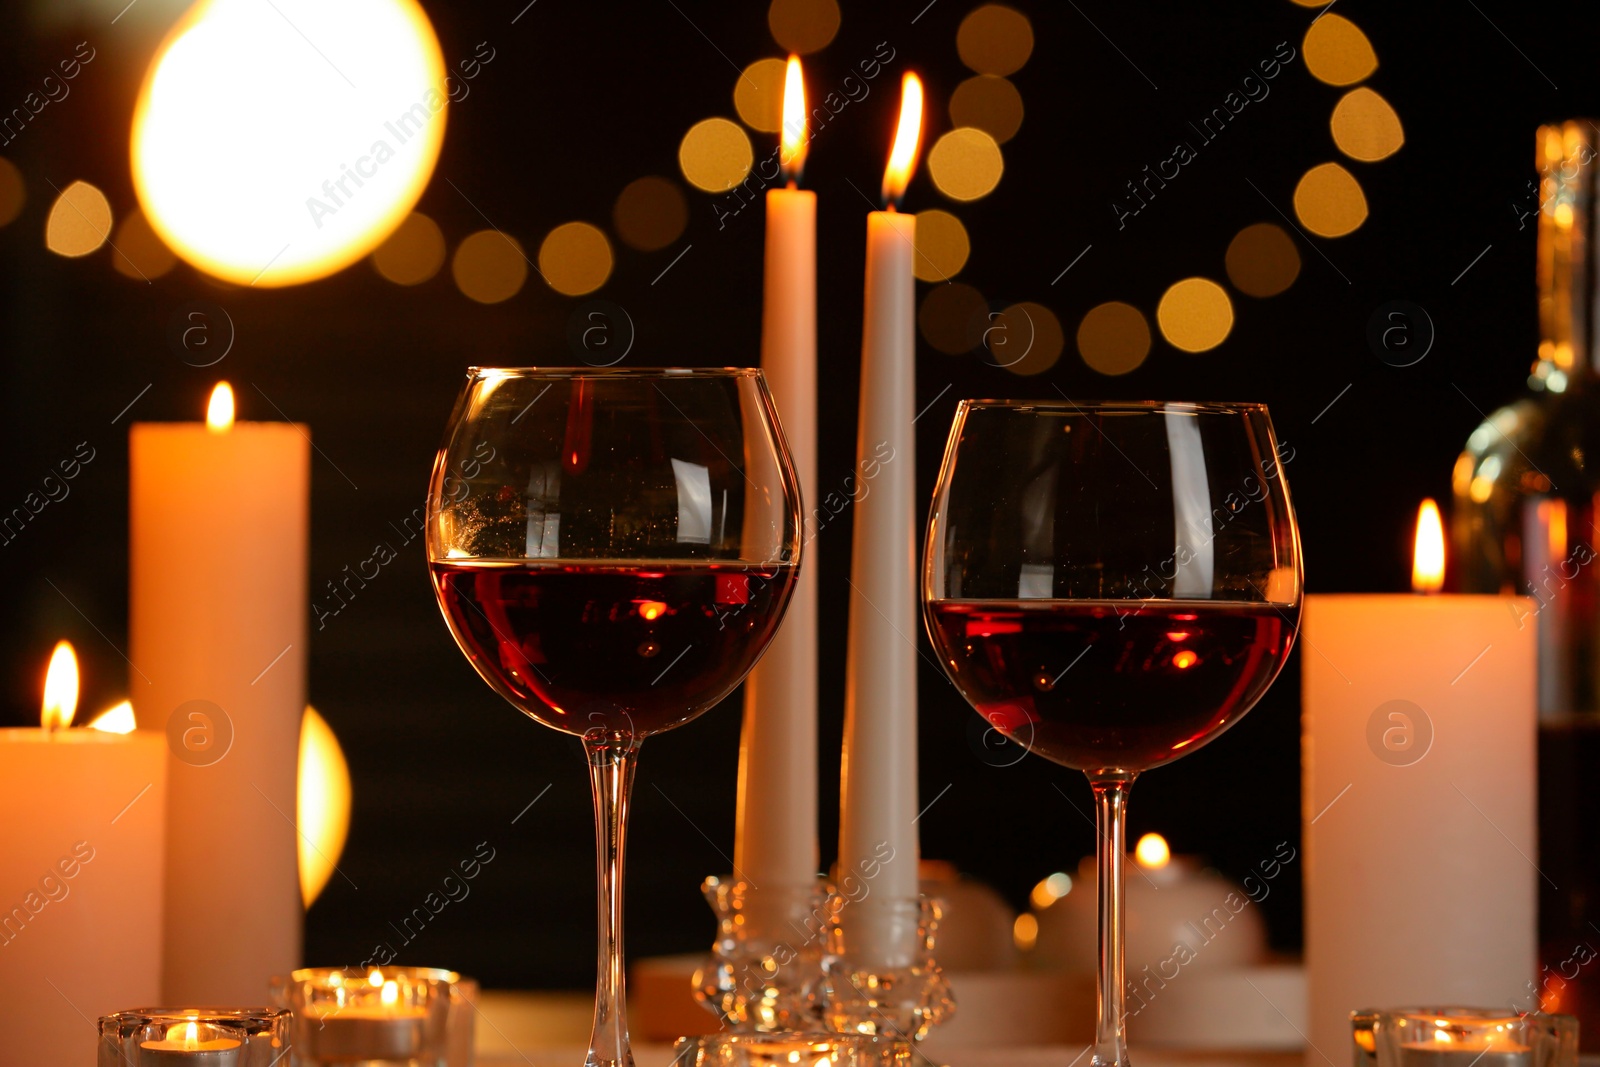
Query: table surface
x=552 y=1030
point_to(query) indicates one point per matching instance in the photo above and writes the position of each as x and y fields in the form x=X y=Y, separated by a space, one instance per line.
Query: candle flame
x=117 y=719
x=186 y=1033
x=1427 y=560
x=375 y=978
x=390 y=995
x=796 y=138
x=219 y=412
x=907 y=137
x=60 y=688
x=1152 y=852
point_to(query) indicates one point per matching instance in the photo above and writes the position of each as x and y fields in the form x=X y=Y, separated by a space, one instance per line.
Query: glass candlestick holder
x=880 y=974
x=765 y=971
x=194 y=1037
x=1463 y=1037
x=383 y=1015
x=786 y=1050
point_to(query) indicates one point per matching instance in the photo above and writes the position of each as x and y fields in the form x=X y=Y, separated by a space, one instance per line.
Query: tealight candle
x=390 y=1029
x=186 y=1045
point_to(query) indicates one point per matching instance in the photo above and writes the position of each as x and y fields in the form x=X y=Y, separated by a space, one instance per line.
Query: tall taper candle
x=879 y=768
x=776 y=837
x=218 y=634
x=1419 y=804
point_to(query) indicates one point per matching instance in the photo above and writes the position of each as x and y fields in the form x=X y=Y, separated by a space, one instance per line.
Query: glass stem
x=611 y=765
x=1111 y=809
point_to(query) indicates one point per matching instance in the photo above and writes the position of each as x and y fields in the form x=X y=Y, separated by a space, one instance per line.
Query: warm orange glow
x=190 y=1036
x=796 y=138
x=390 y=995
x=1185 y=659
x=1553 y=513
x=375 y=978
x=60 y=688
x=117 y=719
x=1152 y=852
x=651 y=610
x=907 y=139
x=1177 y=635
x=219 y=412
x=1427 y=561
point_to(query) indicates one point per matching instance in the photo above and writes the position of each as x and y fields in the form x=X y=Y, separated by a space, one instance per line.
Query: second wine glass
x=1111 y=586
x=613 y=551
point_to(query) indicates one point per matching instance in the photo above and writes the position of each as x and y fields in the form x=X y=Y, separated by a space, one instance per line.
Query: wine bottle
x=1526 y=489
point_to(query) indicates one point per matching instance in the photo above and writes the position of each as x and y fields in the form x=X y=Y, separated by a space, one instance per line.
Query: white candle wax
x=776 y=837
x=1426 y=1054
x=877 y=834
x=180 y=1051
x=80 y=885
x=218 y=614
x=1419 y=837
x=367 y=1032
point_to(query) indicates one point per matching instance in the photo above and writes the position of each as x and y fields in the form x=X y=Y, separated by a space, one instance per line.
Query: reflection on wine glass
x=613 y=551
x=1112 y=586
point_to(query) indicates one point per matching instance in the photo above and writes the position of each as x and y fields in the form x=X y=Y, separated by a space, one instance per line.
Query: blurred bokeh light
x=413 y=253
x=1262 y=260
x=758 y=95
x=650 y=213
x=1329 y=202
x=1114 y=338
x=13 y=192
x=715 y=155
x=137 y=251
x=966 y=163
x=989 y=103
x=490 y=266
x=803 y=26
x=575 y=258
x=1025 y=338
x=322 y=808
x=1365 y=126
x=79 y=221
x=1195 y=315
x=1337 y=52
x=266 y=160
x=995 y=39
x=942 y=246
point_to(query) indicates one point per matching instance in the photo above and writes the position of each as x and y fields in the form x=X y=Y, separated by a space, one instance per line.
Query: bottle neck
x=1568 y=271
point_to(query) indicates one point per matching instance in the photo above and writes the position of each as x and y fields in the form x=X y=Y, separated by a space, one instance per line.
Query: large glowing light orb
x=276 y=143
x=322 y=810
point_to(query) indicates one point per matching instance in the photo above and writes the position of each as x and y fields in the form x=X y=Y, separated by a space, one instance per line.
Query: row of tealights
x=323 y=1015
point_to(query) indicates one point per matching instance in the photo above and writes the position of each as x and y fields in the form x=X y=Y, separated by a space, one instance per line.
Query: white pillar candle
x=776 y=837
x=80 y=885
x=1419 y=735
x=878 y=833
x=218 y=614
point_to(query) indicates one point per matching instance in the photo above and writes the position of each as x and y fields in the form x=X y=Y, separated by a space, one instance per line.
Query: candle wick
x=792 y=184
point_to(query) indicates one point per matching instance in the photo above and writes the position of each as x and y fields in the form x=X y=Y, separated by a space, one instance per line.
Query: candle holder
x=765 y=971
x=194 y=1037
x=418 y=1016
x=785 y=1050
x=1458 y=1037
x=861 y=995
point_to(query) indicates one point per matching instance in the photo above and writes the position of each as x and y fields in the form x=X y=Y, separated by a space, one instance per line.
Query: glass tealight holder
x=383 y=1015
x=765 y=971
x=786 y=1050
x=862 y=994
x=1463 y=1037
x=194 y=1037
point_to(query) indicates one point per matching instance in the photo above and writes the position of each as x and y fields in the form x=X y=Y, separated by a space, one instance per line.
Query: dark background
x=583 y=98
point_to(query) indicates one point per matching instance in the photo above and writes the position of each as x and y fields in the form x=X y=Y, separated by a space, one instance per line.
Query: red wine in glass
x=630 y=648
x=1127 y=683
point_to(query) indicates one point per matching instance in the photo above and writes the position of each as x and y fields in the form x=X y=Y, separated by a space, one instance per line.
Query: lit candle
x=187 y=1045
x=877 y=833
x=80 y=874
x=218 y=606
x=776 y=837
x=1419 y=737
x=383 y=1027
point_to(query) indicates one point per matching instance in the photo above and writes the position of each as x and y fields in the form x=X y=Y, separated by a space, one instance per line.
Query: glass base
x=765 y=971
x=785 y=1050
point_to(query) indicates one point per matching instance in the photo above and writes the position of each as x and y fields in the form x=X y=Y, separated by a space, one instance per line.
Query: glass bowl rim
x=477 y=373
x=1201 y=407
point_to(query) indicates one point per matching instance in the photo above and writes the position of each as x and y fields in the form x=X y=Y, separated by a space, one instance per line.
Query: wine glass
x=1112 y=586
x=613 y=551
